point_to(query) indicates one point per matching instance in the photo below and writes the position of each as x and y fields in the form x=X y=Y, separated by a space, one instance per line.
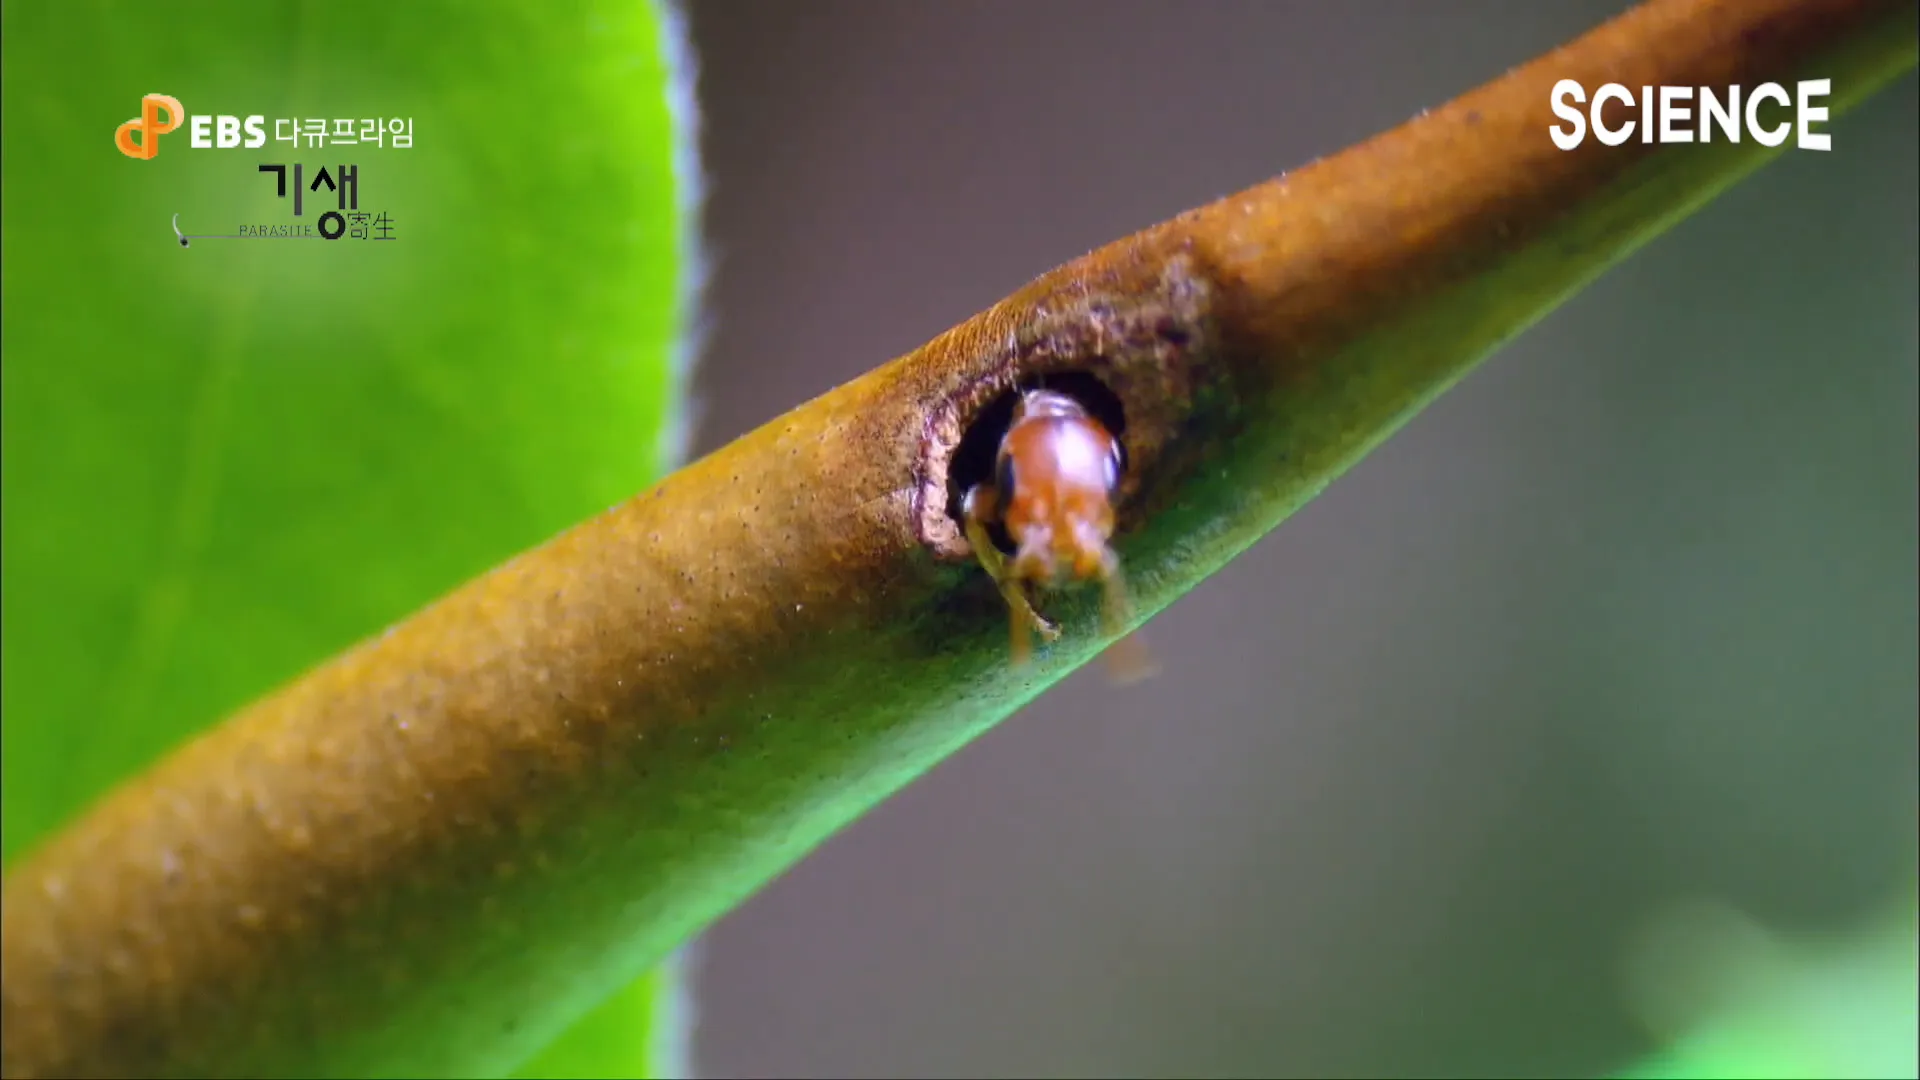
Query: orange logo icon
x=149 y=126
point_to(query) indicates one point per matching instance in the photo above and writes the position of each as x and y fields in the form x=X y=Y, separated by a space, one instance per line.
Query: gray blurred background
x=1628 y=618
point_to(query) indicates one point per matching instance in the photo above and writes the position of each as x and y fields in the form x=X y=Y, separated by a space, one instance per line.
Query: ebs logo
x=222 y=132
x=148 y=126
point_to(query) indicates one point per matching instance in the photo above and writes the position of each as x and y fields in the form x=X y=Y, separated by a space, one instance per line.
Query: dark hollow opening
x=973 y=459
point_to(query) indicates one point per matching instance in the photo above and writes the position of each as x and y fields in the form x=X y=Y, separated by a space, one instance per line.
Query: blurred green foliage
x=1744 y=1003
x=225 y=462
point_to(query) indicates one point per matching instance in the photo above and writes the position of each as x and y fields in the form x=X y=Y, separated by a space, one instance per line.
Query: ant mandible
x=1054 y=481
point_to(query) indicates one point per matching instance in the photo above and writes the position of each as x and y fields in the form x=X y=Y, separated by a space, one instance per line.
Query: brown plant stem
x=429 y=854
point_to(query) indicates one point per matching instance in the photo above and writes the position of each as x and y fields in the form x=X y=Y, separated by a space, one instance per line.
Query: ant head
x=976 y=457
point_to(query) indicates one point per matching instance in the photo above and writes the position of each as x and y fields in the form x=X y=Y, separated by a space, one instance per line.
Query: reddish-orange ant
x=1055 y=476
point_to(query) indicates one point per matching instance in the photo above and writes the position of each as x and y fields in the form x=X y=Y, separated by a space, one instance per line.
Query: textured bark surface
x=429 y=854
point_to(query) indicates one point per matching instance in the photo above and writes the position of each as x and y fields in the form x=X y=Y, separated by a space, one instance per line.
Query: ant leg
x=1022 y=650
x=978 y=504
x=1026 y=568
x=1118 y=606
x=1128 y=658
x=1045 y=627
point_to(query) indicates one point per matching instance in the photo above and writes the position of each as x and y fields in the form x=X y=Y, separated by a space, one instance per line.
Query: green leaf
x=1811 y=1009
x=642 y=1030
x=224 y=462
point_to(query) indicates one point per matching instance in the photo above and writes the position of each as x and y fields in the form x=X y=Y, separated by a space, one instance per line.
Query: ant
x=1055 y=476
